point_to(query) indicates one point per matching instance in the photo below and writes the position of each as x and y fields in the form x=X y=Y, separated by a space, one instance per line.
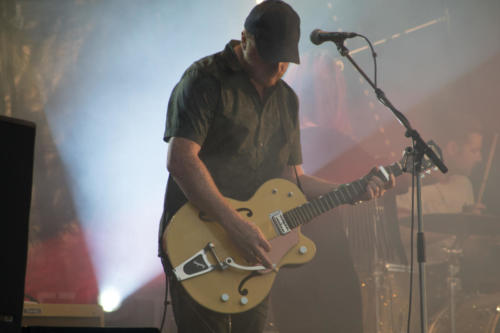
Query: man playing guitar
x=232 y=125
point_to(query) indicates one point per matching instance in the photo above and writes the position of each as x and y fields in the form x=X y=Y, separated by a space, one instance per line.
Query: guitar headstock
x=407 y=162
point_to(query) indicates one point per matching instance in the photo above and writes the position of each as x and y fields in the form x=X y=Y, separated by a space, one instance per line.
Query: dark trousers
x=191 y=317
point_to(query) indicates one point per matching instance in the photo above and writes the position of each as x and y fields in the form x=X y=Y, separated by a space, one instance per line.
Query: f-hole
x=205 y=218
x=242 y=291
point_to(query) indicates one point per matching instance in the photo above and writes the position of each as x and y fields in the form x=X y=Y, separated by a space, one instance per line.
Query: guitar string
x=312 y=209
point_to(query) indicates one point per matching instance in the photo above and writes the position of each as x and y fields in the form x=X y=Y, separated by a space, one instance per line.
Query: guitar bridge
x=279 y=222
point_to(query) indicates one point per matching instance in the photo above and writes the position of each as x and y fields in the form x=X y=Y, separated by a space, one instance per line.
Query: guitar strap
x=286 y=132
x=298 y=180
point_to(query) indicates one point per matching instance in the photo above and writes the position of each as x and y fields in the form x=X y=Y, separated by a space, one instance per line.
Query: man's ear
x=243 y=40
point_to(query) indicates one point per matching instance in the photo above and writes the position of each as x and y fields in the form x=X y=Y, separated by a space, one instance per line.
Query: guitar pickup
x=279 y=222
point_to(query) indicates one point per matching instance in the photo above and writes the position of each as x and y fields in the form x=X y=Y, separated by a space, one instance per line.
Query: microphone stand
x=421 y=149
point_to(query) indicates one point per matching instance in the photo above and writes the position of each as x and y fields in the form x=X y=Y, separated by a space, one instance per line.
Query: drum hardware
x=463 y=226
x=383 y=295
x=474 y=313
x=454 y=279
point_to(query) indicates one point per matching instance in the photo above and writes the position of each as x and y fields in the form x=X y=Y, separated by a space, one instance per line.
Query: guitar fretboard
x=344 y=194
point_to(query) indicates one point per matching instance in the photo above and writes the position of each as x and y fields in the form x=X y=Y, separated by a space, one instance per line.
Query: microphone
x=319 y=36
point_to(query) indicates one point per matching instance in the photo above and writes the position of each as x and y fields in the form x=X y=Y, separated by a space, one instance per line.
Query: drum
x=385 y=297
x=477 y=314
x=480 y=272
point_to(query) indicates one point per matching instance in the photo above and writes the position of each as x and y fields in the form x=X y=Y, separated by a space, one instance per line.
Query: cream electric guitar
x=210 y=266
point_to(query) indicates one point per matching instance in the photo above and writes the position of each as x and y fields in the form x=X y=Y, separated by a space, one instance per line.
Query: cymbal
x=458 y=223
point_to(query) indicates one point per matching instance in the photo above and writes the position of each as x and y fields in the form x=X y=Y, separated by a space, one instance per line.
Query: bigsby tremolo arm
x=230 y=262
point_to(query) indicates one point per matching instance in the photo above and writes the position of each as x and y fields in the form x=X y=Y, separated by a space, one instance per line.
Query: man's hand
x=377 y=184
x=249 y=239
x=476 y=208
x=193 y=177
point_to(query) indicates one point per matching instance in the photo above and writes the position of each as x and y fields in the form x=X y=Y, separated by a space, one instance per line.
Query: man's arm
x=313 y=187
x=193 y=177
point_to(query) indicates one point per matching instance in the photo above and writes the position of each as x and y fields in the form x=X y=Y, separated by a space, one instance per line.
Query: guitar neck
x=344 y=194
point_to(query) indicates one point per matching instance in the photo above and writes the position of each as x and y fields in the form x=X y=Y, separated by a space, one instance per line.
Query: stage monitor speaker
x=90 y=330
x=17 y=142
x=63 y=315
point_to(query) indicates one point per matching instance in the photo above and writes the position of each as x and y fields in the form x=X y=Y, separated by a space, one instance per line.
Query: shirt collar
x=230 y=56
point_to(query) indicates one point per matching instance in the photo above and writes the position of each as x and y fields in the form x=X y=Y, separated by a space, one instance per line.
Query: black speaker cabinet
x=17 y=141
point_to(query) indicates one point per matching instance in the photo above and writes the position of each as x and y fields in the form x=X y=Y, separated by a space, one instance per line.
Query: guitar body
x=189 y=231
x=210 y=266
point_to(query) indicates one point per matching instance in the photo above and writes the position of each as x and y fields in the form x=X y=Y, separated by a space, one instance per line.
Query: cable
x=374 y=56
x=165 y=305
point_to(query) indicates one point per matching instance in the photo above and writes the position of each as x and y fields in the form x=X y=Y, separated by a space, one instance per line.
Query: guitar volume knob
x=244 y=300
x=224 y=297
x=303 y=249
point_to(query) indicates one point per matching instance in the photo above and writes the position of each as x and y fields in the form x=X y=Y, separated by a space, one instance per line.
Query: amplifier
x=17 y=144
x=46 y=329
x=62 y=315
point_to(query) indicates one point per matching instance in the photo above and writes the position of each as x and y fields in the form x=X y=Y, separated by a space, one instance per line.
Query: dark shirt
x=244 y=140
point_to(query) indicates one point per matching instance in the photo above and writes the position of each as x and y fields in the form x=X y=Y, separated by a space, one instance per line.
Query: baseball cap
x=276 y=28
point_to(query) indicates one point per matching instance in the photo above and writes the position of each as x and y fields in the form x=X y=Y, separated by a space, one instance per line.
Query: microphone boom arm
x=410 y=132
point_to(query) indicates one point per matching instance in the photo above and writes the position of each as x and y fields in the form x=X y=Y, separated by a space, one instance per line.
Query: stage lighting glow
x=110 y=299
x=109 y=132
